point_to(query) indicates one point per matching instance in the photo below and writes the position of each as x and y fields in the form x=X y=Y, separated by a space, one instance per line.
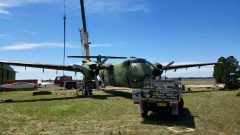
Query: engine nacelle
x=159 y=70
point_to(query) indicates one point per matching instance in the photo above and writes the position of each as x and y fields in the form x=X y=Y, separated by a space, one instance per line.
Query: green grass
x=199 y=81
x=113 y=112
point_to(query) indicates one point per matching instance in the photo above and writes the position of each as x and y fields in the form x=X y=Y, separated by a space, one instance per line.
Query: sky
x=184 y=31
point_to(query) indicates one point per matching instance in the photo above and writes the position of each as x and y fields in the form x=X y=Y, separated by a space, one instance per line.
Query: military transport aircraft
x=129 y=73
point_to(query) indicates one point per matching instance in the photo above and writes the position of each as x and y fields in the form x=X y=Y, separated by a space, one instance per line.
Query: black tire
x=175 y=117
x=85 y=92
x=68 y=86
x=144 y=114
x=181 y=104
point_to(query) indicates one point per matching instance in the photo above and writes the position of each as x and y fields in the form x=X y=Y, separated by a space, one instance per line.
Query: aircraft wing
x=175 y=67
x=43 y=66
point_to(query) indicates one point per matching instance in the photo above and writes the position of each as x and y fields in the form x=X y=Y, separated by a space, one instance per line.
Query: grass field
x=112 y=112
x=198 y=81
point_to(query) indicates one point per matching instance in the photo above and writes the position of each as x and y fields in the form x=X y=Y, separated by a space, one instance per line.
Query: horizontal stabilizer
x=109 y=57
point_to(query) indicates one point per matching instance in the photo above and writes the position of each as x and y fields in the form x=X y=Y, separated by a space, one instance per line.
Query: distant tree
x=222 y=71
x=219 y=71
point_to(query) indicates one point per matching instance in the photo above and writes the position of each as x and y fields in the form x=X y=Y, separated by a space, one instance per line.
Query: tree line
x=228 y=66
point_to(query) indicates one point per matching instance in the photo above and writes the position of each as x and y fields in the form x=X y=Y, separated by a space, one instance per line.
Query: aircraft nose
x=140 y=71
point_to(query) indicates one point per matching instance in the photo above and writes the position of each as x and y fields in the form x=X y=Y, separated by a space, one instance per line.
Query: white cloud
x=204 y=71
x=40 y=75
x=27 y=73
x=30 y=32
x=27 y=46
x=100 y=45
x=97 y=6
x=4 y=35
x=92 y=6
x=195 y=69
x=106 y=6
x=14 y=3
x=2 y=11
x=193 y=72
x=5 y=4
x=106 y=45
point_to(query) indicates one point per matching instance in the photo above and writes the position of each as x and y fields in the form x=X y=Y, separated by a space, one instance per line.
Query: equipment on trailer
x=67 y=82
x=158 y=95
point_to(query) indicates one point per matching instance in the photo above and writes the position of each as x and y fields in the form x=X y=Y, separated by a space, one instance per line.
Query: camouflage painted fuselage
x=130 y=73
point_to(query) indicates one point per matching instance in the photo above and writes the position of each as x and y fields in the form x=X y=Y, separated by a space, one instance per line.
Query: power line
x=64 y=35
x=64 y=40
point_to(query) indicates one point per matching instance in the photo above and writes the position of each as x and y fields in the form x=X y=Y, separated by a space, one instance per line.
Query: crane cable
x=64 y=36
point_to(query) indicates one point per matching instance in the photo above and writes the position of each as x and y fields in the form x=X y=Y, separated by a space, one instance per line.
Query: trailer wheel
x=144 y=114
x=175 y=117
x=68 y=86
x=144 y=111
x=181 y=104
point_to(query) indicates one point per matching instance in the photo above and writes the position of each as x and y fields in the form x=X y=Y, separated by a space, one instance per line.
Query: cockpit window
x=138 y=61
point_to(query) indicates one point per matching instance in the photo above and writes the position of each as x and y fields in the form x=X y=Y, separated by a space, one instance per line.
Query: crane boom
x=83 y=32
x=83 y=16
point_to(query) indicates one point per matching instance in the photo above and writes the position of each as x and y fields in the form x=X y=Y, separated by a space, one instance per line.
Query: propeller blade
x=102 y=62
x=168 y=65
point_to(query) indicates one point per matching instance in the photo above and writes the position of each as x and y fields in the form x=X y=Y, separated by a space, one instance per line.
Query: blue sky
x=186 y=31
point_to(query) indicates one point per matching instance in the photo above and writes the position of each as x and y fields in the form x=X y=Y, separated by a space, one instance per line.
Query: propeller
x=94 y=68
x=102 y=62
x=158 y=68
x=168 y=65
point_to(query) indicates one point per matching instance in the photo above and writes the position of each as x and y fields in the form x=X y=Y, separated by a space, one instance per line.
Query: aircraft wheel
x=144 y=114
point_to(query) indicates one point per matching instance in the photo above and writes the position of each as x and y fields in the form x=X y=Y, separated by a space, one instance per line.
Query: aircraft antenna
x=64 y=34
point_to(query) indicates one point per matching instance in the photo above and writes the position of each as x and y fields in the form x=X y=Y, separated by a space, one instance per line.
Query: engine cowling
x=159 y=70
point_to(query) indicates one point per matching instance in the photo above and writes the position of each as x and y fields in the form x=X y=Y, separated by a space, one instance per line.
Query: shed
x=6 y=73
